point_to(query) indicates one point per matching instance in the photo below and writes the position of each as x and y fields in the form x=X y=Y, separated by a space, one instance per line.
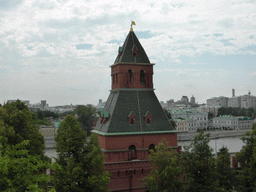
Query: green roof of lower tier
x=133 y=133
x=120 y=104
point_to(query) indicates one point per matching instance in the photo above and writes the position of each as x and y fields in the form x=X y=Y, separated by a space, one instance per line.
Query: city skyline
x=60 y=51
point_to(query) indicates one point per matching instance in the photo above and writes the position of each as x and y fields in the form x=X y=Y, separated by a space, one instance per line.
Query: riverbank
x=213 y=134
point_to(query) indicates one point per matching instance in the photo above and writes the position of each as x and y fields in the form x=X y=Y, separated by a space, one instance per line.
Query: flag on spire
x=133 y=23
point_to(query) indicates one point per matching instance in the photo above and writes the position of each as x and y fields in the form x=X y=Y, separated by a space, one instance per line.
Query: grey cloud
x=9 y=4
x=89 y=22
x=116 y=41
x=43 y=53
x=43 y=72
x=227 y=23
x=84 y=46
x=44 y=5
x=218 y=34
x=226 y=41
x=30 y=47
x=144 y=34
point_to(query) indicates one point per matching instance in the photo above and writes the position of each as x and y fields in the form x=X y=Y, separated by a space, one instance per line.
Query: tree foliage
x=235 y=111
x=80 y=163
x=167 y=172
x=44 y=114
x=199 y=165
x=20 y=171
x=86 y=117
x=22 y=159
x=169 y=116
x=19 y=124
x=225 y=175
x=247 y=158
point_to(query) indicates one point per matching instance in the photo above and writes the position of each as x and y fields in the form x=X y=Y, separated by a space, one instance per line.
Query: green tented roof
x=120 y=104
x=126 y=56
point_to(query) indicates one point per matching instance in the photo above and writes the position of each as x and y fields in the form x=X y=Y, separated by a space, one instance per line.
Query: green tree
x=86 y=117
x=247 y=158
x=199 y=165
x=225 y=175
x=19 y=124
x=20 y=171
x=22 y=159
x=169 y=116
x=167 y=172
x=210 y=115
x=80 y=163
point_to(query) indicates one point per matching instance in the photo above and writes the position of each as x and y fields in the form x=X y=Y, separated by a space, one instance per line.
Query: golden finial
x=133 y=23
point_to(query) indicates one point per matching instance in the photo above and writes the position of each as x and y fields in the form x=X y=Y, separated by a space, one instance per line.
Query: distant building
x=100 y=105
x=43 y=103
x=245 y=101
x=245 y=123
x=234 y=102
x=225 y=121
x=228 y=121
x=209 y=109
x=184 y=99
x=196 y=119
x=217 y=101
x=192 y=100
x=248 y=101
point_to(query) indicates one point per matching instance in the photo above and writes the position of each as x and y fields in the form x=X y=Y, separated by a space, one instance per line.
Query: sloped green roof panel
x=120 y=103
x=126 y=56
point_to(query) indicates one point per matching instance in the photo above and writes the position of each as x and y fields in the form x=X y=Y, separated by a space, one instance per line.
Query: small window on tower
x=116 y=77
x=130 y=75
x=113 y=78
x=148 y=118
x=142 y=76
x=131 y=118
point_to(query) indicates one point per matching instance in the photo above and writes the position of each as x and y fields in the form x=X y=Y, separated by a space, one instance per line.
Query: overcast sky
x=60 y=50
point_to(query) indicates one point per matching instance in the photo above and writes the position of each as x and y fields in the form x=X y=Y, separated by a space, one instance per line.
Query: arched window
x=148 y=121
x=132 y=121
x=113 y=78
x=116 y=77
x=142 y=76
x=132 y=152
x=130 y=75
x=151 y=146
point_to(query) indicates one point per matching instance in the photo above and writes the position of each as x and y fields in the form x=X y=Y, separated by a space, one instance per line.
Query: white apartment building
x=227 y=121
x=195 y=119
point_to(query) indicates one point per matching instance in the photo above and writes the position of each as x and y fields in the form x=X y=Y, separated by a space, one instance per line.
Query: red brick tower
x=132 y=121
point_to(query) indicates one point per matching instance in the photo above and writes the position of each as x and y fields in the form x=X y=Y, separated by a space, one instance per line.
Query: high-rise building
x=132 y=121
x=192 y=100
x=43 y=103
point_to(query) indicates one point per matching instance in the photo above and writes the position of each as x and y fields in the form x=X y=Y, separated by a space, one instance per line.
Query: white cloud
x=41 y=36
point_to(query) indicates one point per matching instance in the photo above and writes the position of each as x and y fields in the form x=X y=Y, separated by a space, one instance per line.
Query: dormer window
x=131 y=118
x=148 y=118
x=120 y=51
x=104 y=116
x=134 y=51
